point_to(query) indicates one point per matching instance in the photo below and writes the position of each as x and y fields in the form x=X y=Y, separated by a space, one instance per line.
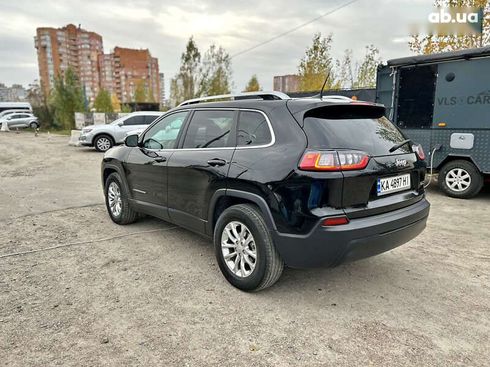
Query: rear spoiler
x=340 y=109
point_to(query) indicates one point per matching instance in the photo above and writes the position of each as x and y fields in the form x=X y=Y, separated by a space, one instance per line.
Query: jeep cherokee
x=274 y=181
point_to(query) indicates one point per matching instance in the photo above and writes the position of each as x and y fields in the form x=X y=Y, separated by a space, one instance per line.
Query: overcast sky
x=165 y=26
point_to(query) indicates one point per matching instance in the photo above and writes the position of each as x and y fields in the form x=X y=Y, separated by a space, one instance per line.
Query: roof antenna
x=324 y=83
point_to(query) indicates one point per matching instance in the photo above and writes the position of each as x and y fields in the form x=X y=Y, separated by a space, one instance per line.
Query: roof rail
x=273 y=95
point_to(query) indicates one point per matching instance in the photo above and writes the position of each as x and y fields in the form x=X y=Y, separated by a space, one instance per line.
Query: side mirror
x=120 y=123
x=131 y=140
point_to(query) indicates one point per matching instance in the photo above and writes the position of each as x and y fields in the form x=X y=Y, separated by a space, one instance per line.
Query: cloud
x=164 y=27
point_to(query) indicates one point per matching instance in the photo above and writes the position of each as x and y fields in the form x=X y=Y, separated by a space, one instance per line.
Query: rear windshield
x=374 y=136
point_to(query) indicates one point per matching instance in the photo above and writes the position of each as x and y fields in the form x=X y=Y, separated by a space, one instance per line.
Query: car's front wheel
x=103 y=143
x=33 y=125
x=244 y=249
x=116 y=200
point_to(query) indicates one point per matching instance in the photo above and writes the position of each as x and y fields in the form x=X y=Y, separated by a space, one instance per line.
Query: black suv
x=274 y=181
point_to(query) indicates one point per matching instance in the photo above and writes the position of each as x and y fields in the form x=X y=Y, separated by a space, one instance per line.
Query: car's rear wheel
x=33 y=125
x=116 y=200
x=244 y=249
x=460 y=179
x=103 y=143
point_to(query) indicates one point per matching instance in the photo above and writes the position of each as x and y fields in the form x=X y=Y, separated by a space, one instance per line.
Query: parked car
x=297 y=182
x=104 y=137
x=9 y=112
x=20 y=120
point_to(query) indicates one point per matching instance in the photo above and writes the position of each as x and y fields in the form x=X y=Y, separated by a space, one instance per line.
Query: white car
x=105 y=136
x=19 y=120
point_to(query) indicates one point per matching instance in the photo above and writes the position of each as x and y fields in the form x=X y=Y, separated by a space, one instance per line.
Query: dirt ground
x=158 y=298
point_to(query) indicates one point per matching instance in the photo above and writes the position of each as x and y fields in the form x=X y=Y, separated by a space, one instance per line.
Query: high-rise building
x=69 y=46
x=162 y=101
x=126 y=70
x=286 y=83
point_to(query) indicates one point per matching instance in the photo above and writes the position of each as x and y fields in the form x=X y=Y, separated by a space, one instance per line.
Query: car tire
x=460 y=179
x=250 y=274
x=103 y=143
x=33 y=125
x=116 y=201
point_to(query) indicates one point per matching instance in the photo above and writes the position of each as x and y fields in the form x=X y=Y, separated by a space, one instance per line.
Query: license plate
x=393 y=184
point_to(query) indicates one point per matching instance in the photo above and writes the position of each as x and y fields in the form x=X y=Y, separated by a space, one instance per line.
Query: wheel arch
x=224 y=198
x=458 y=157
x=108 y=169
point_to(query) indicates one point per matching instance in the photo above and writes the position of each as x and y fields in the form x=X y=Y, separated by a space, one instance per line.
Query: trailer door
x=417 y=86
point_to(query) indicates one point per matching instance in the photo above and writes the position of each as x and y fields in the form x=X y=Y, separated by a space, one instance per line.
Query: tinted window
x=135 y=120
x=163 y=134
x=372 y=135
x=149 y=119
x=252 y=129
x=209 y=129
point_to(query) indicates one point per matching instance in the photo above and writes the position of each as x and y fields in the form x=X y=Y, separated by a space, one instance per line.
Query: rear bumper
x=361 y=238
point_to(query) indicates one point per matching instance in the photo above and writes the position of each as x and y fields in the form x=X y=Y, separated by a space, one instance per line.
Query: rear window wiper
x=399 y=145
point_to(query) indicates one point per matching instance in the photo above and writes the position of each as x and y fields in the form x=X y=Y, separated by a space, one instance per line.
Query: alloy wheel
x=103 y=143
x=114 y=199
x=458 y=179
x=239 y=249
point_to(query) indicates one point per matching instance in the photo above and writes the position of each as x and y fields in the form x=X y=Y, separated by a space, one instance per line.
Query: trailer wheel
x=460 y=179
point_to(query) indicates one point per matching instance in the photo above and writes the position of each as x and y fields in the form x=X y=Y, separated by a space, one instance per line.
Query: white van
x=26 y=106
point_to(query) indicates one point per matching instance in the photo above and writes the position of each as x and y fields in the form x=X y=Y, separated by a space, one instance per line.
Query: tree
x=40 y=105
x=185 y=85
x=317 y=64
x=116 y=103
x=366 y=71
x=140 y=92
x=428 y=44
x=66 y=99
x=345 y=71
x=103 y=102
x=253 y=85
x=125 y=108
x=215 y=78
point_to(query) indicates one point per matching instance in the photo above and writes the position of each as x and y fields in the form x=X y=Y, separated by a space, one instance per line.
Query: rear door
x=391 y=180
x=200 y=166
x=134 y=123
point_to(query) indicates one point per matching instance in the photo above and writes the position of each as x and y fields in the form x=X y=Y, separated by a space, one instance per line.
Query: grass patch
x=55 y=131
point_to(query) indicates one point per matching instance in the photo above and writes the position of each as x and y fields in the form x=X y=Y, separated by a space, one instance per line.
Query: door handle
x=216 y=162
x=160 y=159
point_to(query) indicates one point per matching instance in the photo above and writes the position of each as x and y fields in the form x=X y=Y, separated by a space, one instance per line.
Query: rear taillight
x=333 y=160
x=417 y=148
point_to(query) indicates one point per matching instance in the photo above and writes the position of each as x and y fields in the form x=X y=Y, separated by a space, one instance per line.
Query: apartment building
x=162 y=100
x=69 y=46
x=125 y=70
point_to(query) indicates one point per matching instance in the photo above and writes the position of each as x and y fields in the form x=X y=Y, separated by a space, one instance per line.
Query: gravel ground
x=158 y=298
